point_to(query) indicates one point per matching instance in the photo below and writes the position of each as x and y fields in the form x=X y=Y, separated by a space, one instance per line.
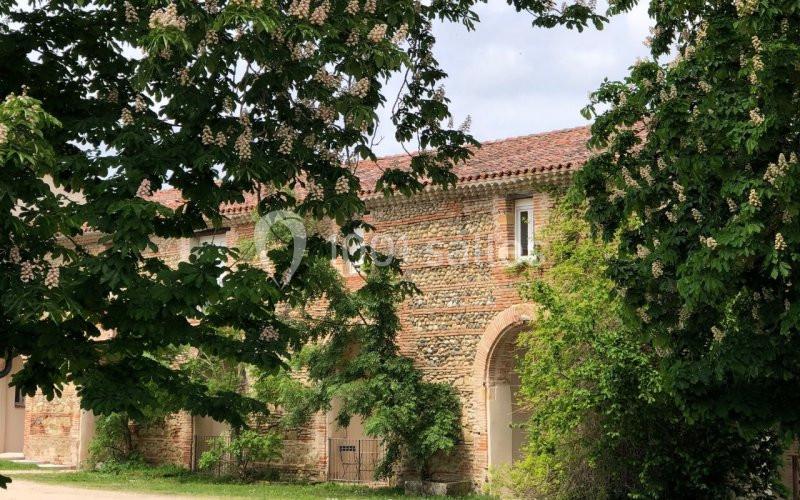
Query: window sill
x=528 y=259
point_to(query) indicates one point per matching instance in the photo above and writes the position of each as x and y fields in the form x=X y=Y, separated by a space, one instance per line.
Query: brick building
x=457 y=246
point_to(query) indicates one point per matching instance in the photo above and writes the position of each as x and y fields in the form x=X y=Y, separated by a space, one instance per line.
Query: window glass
x=523 y=228
x=523 y=233
x=219 y=239
x=19 y=399
x=354 y=243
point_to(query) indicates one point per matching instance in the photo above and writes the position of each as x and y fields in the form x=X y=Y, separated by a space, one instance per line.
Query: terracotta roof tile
x=559 y=150
x=550 y=151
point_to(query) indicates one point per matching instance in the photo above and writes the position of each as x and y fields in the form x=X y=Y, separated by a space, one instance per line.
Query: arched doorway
x=499 y=435
x=12 y=424
x=504 y=414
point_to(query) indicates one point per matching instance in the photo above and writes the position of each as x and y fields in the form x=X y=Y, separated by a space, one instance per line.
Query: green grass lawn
x=9 y=465
x=178 y=482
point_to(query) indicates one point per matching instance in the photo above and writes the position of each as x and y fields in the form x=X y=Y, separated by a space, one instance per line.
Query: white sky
x=516 y=80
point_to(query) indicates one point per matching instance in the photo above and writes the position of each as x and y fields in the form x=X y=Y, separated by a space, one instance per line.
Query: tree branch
x=9 y=358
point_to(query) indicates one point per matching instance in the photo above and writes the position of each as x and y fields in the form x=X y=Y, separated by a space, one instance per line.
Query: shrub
x=246 y=452
x=112 y=441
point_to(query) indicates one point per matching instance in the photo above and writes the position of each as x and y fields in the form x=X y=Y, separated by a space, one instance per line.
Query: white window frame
x=520 y=206
x=354 y=266
x=19 y=398
x=219 y=239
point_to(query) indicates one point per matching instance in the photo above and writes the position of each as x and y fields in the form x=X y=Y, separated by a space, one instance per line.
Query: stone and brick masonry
x=457 y=246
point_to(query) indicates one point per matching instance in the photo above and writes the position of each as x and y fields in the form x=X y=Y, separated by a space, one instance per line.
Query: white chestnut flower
x=753 y=199
x=183 y=77
x=320 y=14
x=144 y=190
x=26 y=271
x=269 y=334
x=242 y=144
x=139 y=105
x=353 y=38
x=342 y=185
x=756 y=118
x=780 y=243
x=400 y=35
x=361 y=88
x=207 y=137
x=126 y=117
x=718 y=334
x=352 y=7
x=315 y=191
x=131 y=15
x=14 y=255
x=657 y=269
x=167 y=17
x=300 y=8
x=377 y=33
x=52 y=278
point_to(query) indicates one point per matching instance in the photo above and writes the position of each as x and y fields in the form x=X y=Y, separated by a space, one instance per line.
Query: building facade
x=458 y=246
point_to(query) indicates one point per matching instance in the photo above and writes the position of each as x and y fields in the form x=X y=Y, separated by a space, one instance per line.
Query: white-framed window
x=19 y=398
x=217 y=239
x=355 y=242
x=523 y=229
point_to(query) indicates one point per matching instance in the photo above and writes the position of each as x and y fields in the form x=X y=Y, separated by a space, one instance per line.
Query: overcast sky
x=516 y=80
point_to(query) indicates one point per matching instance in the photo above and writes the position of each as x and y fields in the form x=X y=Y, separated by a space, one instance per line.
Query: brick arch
x=510 y=321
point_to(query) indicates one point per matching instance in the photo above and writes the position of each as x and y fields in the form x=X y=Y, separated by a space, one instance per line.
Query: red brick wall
x=457 y=247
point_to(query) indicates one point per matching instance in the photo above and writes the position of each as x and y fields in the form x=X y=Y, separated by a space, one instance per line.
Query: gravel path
x=28 y=490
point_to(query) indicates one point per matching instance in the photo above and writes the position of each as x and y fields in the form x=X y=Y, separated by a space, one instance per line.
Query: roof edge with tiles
x=541 y=155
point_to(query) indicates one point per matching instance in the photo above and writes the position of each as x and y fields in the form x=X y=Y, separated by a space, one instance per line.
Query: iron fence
x=203 y=444
x=353 y=460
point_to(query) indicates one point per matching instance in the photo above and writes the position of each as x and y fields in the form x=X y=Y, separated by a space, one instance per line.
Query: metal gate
x=203 y=444
x=353 y=460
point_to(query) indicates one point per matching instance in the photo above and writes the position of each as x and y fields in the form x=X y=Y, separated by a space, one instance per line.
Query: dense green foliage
x=219 y=99
x=355 y=363
x=26 y=158
x=112 y=440
x=602 y=425
x=245 y=451
x=272 y=99
x=360 y=365
x=583 y=374
x=701 y=154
